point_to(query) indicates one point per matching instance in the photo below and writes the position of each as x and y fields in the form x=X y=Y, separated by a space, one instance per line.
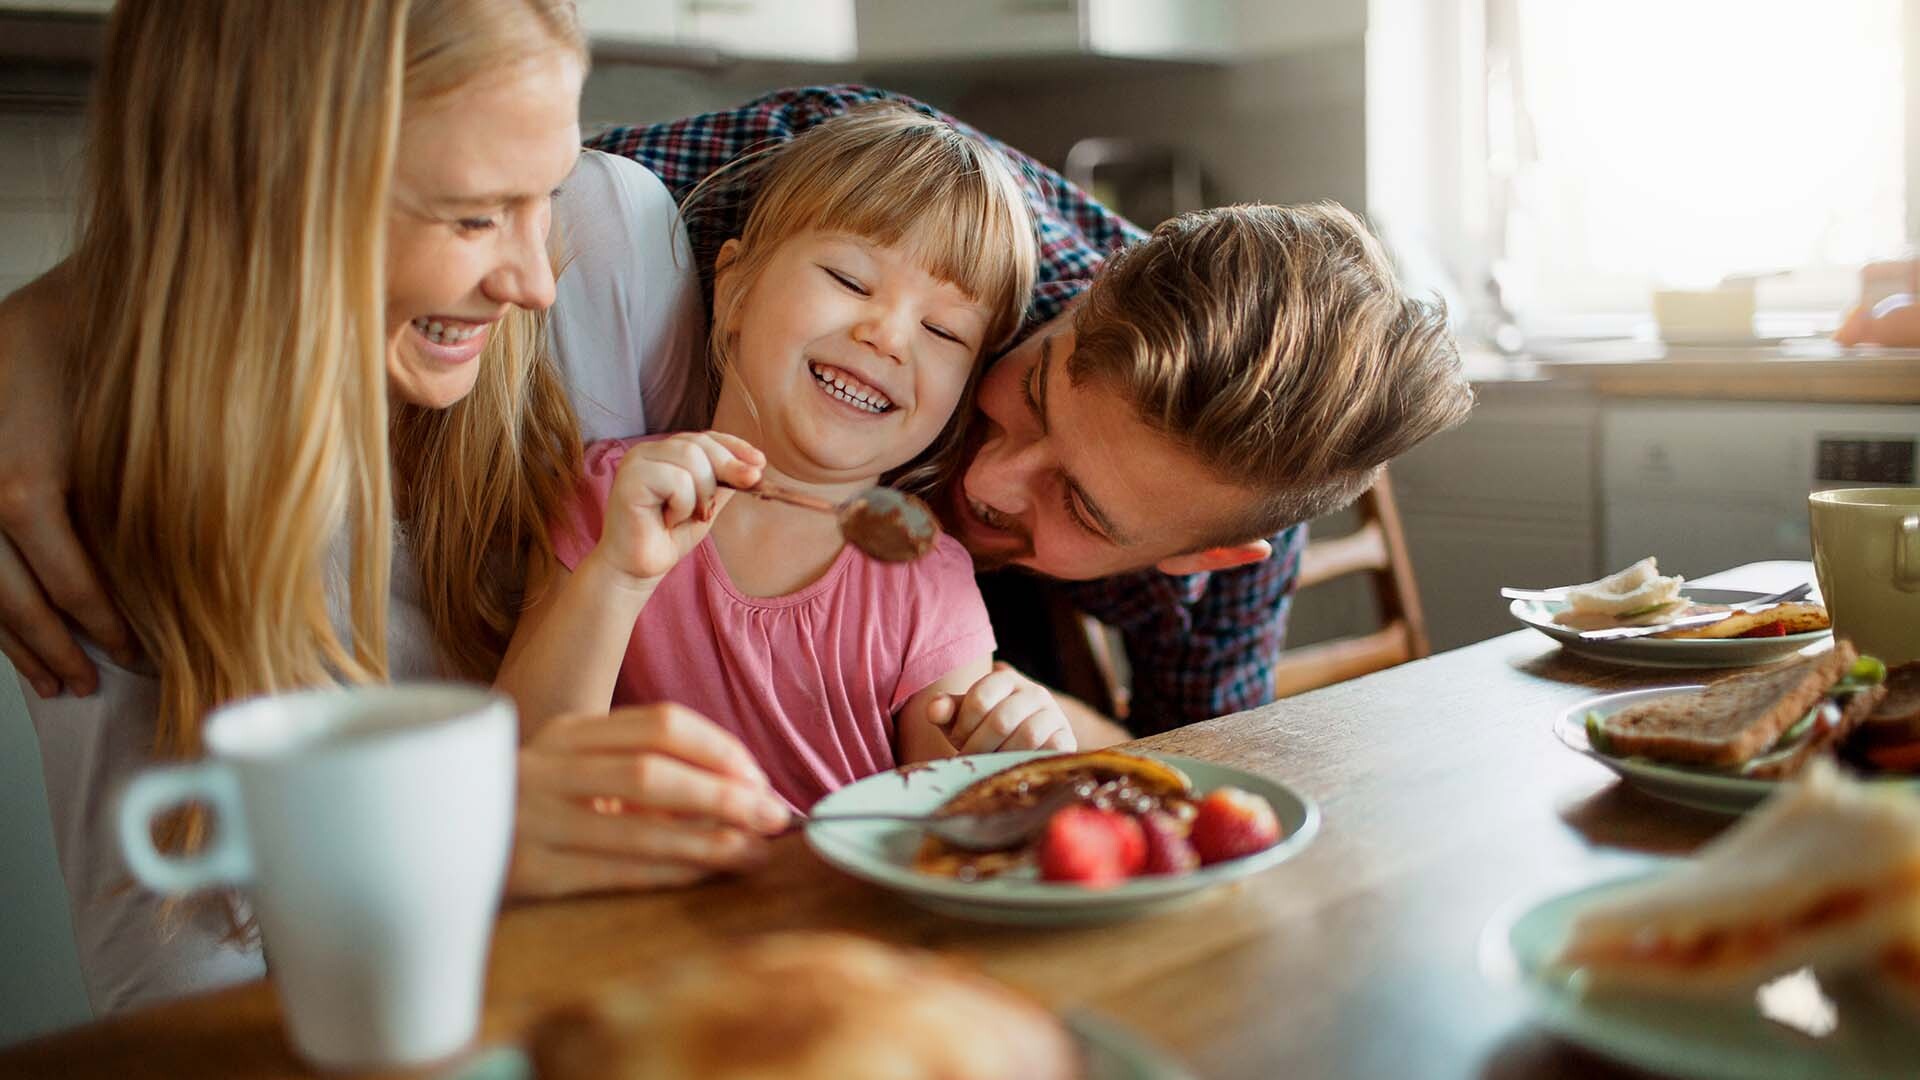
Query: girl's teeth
x=441 y=333
x=838 y=387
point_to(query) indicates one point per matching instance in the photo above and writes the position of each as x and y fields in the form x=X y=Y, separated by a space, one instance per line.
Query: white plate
x=1703 y=789
x=882 y=852
x=1667 y=652
x=1721 y=1036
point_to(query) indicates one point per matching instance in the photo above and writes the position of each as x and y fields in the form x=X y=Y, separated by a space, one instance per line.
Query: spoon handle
x=787 y=495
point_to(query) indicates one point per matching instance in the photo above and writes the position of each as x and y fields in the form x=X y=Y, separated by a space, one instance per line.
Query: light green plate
x=1702 y=789
x=1111 y=1054
x=882 y=852
x=1670 y=653
x=1723 y=1036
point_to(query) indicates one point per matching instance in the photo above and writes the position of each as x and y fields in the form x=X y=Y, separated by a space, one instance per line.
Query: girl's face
x=848 y=356
x=467 y=235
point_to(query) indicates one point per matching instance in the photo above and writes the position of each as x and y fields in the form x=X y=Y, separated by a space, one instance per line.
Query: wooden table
x=1445 y=794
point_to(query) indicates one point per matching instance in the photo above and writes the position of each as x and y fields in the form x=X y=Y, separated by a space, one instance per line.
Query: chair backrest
x=1377 y=548
x=1092 y=661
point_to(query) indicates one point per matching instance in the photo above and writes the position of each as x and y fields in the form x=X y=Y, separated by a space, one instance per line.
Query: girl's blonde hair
x=231 y=418
x=901 y=178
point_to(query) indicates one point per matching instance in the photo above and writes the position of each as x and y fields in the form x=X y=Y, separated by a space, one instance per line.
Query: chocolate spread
x=887 y=533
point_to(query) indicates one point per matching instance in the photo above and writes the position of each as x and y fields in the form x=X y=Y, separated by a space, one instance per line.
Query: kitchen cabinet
x=1509 y=498
x=987 y=29
x=772 y=29
x=815 y=30
x=630 y=22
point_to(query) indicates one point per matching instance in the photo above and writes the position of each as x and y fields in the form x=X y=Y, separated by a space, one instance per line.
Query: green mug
x=1866 y=551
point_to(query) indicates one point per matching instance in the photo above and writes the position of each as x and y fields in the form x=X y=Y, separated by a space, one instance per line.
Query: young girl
x=885 y=254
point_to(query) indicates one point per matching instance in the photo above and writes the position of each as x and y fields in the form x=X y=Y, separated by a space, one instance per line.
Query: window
x=1636 y=144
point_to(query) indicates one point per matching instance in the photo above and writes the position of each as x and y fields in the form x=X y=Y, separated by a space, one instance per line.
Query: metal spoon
x=994 y=830
x=888 y=524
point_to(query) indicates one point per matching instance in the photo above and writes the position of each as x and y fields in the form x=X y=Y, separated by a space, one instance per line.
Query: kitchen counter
x=1798 y=371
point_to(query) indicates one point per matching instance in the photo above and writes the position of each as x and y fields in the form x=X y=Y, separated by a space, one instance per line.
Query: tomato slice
x=1776 y=628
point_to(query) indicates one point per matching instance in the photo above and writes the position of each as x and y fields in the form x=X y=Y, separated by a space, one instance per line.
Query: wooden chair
x=1377 y=548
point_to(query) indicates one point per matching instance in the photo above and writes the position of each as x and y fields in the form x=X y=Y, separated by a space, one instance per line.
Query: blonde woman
x=314 y=438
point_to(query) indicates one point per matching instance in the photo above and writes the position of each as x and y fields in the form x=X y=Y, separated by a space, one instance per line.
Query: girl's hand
x=665 y=496
x=642 y=798
x=1005 y=710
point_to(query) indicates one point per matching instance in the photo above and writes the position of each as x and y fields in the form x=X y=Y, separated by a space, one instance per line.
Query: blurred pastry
x=806 y=1006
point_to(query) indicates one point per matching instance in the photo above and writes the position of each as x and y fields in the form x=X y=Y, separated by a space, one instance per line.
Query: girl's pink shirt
x=809 y=681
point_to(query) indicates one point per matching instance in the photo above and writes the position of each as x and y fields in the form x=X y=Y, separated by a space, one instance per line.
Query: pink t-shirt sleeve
x=949 y=621
x=577 y=529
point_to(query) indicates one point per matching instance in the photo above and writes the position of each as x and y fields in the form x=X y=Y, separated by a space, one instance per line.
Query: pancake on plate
x=1107 y=778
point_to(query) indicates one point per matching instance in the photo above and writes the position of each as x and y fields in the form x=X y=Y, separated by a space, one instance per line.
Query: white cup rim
x=302 y=724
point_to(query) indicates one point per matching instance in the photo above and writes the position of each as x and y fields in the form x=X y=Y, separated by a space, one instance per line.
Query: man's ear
x=1216 y=558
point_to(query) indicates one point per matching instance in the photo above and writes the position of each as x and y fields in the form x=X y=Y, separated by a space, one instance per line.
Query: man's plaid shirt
x=1201 y=645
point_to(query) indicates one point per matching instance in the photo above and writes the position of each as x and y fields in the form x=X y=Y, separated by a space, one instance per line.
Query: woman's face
x=467 y=237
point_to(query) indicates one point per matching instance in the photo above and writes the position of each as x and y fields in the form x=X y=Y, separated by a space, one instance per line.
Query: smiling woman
x=306 y=309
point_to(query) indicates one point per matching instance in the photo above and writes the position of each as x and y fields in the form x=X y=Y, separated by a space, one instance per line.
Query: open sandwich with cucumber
x=1768 y=724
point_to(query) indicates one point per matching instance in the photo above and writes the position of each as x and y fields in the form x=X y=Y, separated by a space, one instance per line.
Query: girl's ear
x=726 y=277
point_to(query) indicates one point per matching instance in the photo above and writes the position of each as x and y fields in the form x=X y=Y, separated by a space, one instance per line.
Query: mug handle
x=1906 y=554
x=225 y=861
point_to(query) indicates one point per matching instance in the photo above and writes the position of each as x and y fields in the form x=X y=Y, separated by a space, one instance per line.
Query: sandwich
x=1825 y=874
x=1764 y=724
x=1636 y=596
x=1103 y=778
x=805 y=1006
x=1888 y=740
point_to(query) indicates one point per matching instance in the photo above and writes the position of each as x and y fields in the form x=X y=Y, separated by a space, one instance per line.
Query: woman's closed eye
x=474 y=224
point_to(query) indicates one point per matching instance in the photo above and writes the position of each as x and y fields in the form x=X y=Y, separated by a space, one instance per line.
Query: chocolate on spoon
x=886 y=523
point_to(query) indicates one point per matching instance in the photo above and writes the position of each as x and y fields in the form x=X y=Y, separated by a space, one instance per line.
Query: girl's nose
x=886 y=332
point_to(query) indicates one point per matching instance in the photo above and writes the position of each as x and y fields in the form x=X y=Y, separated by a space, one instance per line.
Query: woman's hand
x=43 y=569
x=642 y=798
x=1004 y=710
x=665 y=496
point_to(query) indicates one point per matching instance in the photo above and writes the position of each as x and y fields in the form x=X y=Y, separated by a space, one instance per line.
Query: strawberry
x=1132 y=841
x=1090 y=847
x=1232 y=823
x=1168 y=849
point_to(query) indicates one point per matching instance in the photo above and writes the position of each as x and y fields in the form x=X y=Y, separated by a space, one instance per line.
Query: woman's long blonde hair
x=231 y=416
x=892 y=175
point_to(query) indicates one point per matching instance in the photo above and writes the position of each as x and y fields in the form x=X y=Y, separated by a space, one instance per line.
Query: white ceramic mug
x=370 y=829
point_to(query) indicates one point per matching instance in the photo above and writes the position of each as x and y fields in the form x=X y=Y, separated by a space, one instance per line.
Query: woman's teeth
x=860 y=397
x=441 y=333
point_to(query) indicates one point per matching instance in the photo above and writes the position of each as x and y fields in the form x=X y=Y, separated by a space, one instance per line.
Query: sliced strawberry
x=1168 y=849
x=1087 y=847
x=1232 y=823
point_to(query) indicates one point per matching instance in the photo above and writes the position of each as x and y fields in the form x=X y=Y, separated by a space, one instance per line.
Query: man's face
x=1067 y=481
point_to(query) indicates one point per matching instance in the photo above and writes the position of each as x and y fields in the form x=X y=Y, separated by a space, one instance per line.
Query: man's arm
x=1203 y=645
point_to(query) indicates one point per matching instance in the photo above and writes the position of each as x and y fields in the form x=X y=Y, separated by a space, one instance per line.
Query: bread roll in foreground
x=806 y=1007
